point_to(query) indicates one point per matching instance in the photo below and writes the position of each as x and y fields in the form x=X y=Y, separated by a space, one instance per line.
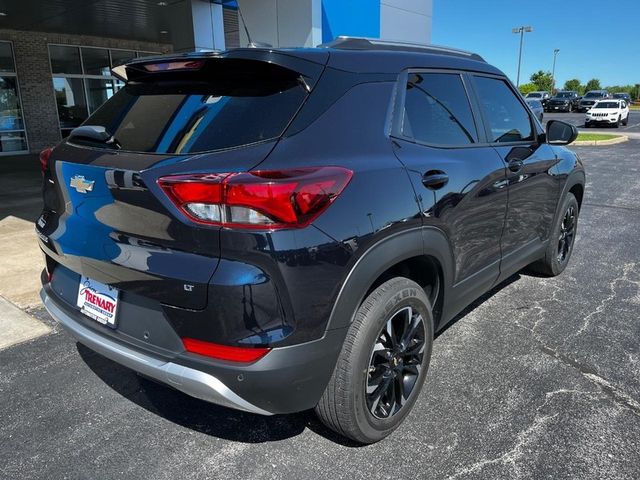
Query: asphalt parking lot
x=538 y=379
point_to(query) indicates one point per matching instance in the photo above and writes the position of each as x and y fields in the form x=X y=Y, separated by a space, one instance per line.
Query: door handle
x=435 y=179
x=515 y=165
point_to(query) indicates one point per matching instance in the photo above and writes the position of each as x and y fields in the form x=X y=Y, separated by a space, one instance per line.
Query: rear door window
x=208 y=110
x=437 y=110
x=508 y=119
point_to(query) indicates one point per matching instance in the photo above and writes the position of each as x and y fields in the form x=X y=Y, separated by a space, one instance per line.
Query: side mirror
x=561 y=133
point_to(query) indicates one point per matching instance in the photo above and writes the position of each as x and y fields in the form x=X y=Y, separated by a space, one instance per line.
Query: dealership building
x=56 y=56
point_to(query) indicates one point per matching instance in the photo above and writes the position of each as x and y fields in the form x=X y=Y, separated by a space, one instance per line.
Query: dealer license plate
x=98 y=301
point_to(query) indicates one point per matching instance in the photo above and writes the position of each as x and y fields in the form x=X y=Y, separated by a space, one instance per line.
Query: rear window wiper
x=94 y=134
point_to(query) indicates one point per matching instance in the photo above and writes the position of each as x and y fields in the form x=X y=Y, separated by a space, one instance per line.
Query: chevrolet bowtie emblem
x=81 y=184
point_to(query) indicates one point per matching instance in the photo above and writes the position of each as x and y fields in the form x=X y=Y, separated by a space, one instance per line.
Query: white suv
x=611 y=111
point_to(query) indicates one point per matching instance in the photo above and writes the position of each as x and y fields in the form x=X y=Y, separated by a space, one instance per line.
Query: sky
x=596 y=39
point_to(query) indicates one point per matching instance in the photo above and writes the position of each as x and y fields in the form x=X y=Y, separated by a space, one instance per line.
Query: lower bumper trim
x=188 y=380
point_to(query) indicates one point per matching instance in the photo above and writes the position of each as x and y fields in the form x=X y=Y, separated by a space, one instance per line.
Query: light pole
x=521 y=30
x=553 y=70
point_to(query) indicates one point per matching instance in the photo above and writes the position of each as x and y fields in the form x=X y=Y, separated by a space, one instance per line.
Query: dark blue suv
x=277 y=230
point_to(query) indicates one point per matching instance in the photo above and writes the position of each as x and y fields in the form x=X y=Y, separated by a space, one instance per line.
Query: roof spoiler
x=309 y=69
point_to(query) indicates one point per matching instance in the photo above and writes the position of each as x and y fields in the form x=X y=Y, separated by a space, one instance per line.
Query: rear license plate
x=98 y=301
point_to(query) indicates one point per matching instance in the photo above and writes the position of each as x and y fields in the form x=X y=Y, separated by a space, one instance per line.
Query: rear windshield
x=201 y=112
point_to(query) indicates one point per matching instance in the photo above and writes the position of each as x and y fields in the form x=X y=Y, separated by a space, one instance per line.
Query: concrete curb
x=17 y=326
x=611 y=141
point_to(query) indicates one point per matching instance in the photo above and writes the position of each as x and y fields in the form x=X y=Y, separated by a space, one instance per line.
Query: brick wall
x=34 y=77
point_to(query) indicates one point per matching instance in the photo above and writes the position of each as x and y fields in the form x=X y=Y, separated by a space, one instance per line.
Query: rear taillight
x=44 y=159
x=261 y=199
x=224 y=352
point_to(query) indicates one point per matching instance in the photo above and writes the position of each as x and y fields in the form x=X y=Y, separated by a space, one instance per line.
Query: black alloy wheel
x=383 y=362
x=567 y=234
x=395 y=363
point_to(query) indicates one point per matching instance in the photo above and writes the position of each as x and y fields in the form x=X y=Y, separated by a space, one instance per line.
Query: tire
x=617 y=124
x=586 y=125
x=348 y=404
x=570 y=109
x=626 y=121
x=553 y=263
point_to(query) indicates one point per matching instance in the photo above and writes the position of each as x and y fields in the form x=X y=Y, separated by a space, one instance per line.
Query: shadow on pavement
x=201 y=416
x=218 y=421
x=480 y=300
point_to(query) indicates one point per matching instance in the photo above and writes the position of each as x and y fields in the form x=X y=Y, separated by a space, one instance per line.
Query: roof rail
x=363 y=43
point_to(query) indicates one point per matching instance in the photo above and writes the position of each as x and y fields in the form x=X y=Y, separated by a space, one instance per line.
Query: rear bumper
x=288 y=379
x=188 y=380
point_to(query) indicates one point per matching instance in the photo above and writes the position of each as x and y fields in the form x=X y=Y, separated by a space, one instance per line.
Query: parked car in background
x=610 y=111
x=590 y=98
x=564 y=101
x=217 y=225
x=536 y=107
x=542 y=96
x=623 y=96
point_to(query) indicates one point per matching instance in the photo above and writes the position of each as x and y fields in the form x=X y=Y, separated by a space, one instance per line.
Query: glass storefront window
x=82 y=80
x=12 y=142
x=10 y=111
x=96 y=61
x=12 y=134
x=98 y=92
x=72 y=107
x=6 y=58
x=65 y=59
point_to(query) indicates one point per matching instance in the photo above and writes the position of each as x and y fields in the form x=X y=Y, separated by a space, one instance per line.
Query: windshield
x=564 y=95
x=607 y=105
x=594 y=95
x=534 y=95
x=214 y=111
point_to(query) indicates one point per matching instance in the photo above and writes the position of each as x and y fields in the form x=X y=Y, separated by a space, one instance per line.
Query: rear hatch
x=105 y=216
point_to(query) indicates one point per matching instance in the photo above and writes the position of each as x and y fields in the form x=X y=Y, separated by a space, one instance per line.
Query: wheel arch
x=407 y=253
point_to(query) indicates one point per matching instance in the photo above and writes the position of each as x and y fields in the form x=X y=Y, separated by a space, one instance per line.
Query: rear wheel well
x=425 y=271
x=578 y=192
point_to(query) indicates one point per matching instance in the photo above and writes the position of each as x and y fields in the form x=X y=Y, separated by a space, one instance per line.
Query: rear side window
x=508 y=119
x=437 y=110
x=210 y=110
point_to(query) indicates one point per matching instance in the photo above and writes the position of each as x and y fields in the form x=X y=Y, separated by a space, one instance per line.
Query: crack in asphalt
x=627 y=270
x=614 y=393
x=524 y=437
x=540 y=421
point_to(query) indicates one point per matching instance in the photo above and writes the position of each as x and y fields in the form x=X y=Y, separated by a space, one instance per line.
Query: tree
x=573 y=84
x=593 y=84
x=542 y=80
x=527 y=88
